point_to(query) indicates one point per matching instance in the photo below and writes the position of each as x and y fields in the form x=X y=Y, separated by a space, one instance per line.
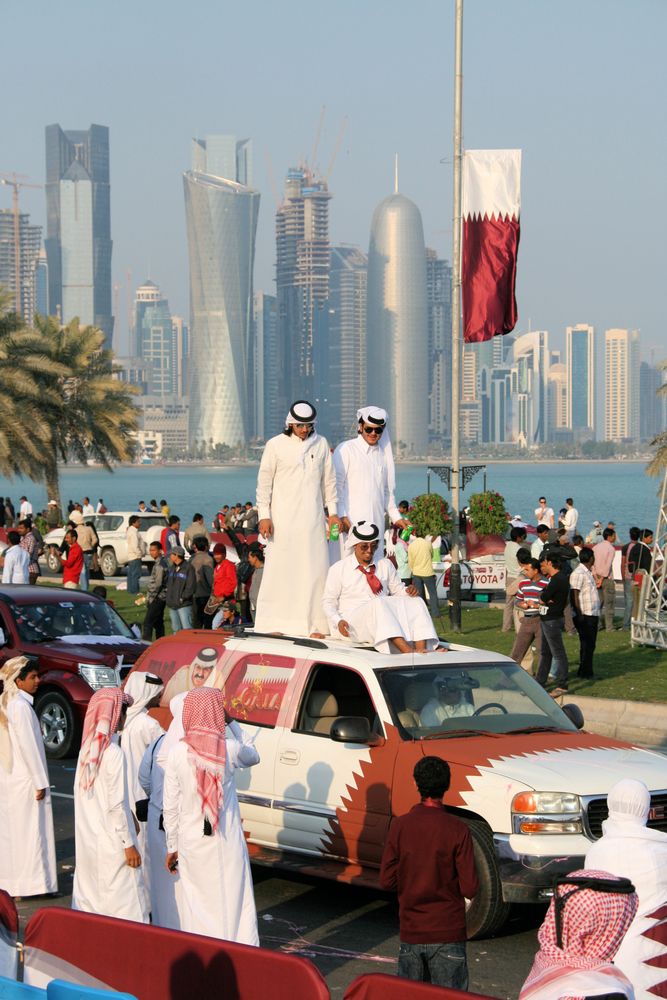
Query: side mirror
x=3 y=638
x=354 y=729
x=574 y=714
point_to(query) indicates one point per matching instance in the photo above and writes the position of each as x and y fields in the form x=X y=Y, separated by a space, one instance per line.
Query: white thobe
x=217 y=897
x=104 y=828
x=16 y=567
x=164 y=886
x=362 y=484
x=294 y=485
x=640 y=854
x=138 y=733
x=375 y=618
x=434 y=712
x=27 y=844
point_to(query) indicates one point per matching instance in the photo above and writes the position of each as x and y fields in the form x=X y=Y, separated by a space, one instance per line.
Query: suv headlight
x=546 y=812
x=98 y=676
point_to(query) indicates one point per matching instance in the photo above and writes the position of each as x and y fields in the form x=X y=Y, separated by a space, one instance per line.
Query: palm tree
x=658 y=463
x=90 y=413
x=23 y=425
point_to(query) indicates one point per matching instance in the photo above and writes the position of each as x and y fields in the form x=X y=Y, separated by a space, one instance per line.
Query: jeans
x=439 y=964
x=181 y=618
x=627 y=597
x=133 y=576
x=84 y=579
x=428 y=583
x=552 y=650
x=587 y=627
x=154 y=620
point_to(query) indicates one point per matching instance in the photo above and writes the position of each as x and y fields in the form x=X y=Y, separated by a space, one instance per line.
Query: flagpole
x=455 y=570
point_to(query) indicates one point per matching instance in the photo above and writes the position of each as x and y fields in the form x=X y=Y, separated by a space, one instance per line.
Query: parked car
x=112 y=531
x=339 y=730
x=79 y=644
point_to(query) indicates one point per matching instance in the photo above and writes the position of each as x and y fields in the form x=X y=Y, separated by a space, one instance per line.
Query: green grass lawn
x=636 y=673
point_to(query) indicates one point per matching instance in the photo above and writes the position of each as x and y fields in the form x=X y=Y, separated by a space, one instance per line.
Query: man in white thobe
x=140 y=729
x=27 y=843
x=630 y=849
x=449 y=700
x=365 y=474
x=202 y=822
x=107 y=874
x=368 y=602
x=16 y=565
x=296 y=481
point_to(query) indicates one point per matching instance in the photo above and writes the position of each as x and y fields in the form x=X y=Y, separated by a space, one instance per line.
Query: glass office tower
x=221 y=215
x=78 y=243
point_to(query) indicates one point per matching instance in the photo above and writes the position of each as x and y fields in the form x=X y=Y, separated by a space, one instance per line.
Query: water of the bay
x=618 y=491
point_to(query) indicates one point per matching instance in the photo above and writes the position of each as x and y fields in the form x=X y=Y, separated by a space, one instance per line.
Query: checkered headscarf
x=101 y=722
x=204 y=728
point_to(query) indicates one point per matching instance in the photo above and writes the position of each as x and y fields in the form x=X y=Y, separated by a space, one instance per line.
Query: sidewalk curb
x=632 y=721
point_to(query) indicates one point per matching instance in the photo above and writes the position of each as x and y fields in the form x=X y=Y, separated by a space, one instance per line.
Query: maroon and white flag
x=491 y=202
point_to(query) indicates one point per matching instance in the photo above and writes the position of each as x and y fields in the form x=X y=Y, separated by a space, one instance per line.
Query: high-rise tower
x=397 y=324
x=221 y=213
x=30 y=242
x=78 y=226
x=621 y=385
x=580 y=366
x=155 y=342
x=303 y=262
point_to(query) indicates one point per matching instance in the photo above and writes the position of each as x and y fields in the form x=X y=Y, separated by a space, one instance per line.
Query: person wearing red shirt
x=73 y=562
x=428 y=859
x=224 y=573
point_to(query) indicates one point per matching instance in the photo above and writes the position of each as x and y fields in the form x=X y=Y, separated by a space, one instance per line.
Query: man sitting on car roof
x=369 y=602
x=451 y=699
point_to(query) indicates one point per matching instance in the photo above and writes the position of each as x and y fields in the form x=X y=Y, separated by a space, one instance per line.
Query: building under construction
x=29 y=245
x=303 y=262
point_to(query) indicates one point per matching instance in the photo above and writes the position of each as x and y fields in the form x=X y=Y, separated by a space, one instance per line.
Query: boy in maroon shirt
x=428 y=859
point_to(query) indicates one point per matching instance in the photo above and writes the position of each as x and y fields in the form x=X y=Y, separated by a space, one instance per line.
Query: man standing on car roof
x=429 y=861
x=27 y=843
x=365 y=474
x=296 y=481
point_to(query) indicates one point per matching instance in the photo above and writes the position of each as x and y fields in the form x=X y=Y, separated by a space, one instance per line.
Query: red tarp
x=9 y=926
x=482 y=545
x=158 y=964
x=379 y=987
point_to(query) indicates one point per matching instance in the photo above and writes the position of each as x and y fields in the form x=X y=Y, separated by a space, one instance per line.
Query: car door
x=334 y=798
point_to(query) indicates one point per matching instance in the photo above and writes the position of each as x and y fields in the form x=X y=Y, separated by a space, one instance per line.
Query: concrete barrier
x=633 y=721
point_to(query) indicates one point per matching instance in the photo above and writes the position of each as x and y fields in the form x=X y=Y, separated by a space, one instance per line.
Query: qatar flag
x=491 y=200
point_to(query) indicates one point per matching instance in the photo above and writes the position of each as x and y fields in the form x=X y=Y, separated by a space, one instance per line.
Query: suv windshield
x=37 y=622
x=488 y=697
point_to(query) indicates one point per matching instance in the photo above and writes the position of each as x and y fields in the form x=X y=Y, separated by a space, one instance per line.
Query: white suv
x=112 y=532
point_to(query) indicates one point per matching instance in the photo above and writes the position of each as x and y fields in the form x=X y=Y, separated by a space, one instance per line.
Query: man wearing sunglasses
x=367 y=602
x=365 y=474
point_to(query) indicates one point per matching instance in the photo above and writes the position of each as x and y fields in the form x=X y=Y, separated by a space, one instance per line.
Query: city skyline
x=587 y=196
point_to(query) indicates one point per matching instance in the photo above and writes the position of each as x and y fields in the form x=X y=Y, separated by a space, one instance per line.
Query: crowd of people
x=561 y=583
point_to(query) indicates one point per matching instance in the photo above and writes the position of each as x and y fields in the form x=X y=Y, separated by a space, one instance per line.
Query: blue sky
x=579 y=85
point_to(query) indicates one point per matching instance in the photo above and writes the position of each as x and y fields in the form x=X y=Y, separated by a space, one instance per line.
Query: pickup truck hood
x=580 y=762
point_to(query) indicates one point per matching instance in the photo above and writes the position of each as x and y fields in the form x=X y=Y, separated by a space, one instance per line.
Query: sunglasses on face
x=303 y=425
x=367 y=545
x=372 y=430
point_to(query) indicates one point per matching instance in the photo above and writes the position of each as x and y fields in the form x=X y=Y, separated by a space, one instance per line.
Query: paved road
x=345 y=931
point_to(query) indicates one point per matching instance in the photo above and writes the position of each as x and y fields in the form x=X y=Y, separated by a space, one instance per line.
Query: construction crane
x=12 y=180
x=339 y=140
x=649 y=628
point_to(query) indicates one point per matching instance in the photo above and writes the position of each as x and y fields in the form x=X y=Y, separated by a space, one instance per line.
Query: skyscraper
x=221 y=213
x=30 y=241
x=439 y=296
x=621 y=384
x=78 y=243
x=580 y=367
x=268 y=419
x=397 y=326
x=347 y=340
x=302 y=284
x=181 y=353
x=530 y=379
x=154 y=339
x=558 y=399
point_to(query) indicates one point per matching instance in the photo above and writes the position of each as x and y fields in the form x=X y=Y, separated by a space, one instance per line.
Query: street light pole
x=455 y=570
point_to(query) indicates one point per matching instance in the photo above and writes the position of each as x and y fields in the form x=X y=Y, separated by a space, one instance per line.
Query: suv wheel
x=488 y=911
x=108 y=562
x=57 y=724
x=53 y=559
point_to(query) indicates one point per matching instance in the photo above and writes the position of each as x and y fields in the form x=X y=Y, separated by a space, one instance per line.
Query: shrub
x=430 y=515
x=487 y=513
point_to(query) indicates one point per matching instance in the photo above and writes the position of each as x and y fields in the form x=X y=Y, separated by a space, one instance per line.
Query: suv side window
x=256 y=686
x=331 y=693
x=107 y=522
x=151 y=522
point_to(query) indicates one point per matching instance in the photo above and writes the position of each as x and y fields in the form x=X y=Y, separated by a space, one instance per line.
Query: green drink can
x=334 y=533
